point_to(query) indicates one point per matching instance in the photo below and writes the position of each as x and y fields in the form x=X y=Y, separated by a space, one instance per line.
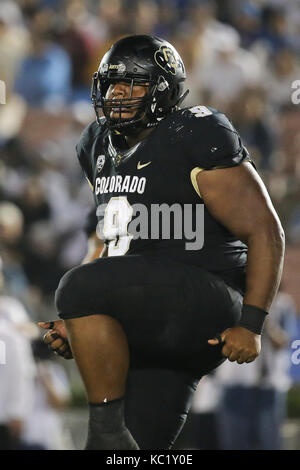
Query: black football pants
x=168 y=311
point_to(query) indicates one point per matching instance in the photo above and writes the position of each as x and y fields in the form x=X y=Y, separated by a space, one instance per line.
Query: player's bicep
x=238 y=199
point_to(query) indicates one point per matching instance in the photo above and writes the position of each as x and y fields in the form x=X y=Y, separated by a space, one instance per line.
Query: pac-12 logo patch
x=166 y=59
x=100 y=162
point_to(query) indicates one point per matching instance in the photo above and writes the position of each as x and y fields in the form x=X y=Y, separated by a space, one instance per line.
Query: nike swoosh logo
x=142 y=165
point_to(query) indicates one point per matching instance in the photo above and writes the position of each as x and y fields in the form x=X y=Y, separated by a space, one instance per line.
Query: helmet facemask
x=121 y=106
x=150 y=108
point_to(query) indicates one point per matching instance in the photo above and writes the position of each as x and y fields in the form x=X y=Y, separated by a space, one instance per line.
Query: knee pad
x=69 y=295
x=83 y=291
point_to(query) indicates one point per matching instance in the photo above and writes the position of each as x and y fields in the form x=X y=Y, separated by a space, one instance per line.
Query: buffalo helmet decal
x=167 y=60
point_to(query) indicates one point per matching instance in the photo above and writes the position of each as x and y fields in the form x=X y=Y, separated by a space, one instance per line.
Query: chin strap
x=182 y=97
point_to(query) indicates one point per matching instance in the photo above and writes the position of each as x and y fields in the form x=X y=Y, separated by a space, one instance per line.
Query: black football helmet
x=145 y=61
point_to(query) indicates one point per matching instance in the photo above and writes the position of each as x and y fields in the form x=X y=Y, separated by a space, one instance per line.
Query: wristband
x=252 y=318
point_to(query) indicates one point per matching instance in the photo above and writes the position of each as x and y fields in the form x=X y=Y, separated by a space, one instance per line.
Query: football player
x=152 y=315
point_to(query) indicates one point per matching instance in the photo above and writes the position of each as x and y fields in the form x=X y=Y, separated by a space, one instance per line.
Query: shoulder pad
x=211 y=139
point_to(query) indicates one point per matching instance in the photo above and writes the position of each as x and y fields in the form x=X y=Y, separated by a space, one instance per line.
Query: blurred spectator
x=288 y=140
x=253 y=404
x=274 y=32
x=11 y=230
x=14 y=42
x=282 y=71
x=44 y=78
x=17 y=372
x=206 y=400
x=293 y=230
x=51 y=396
x=249 y=114
x=146 y=17
x=209 y=32
x=11 y=223
x=11 y=118
x=247 y=20
x=228 y=71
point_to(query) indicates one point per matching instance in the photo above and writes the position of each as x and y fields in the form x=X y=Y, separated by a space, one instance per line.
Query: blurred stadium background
x=241 y=57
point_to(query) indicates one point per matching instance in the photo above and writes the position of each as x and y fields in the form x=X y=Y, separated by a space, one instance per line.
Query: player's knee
x=69 y=296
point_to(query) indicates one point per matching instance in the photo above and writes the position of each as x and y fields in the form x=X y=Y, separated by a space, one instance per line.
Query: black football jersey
x=147 y=196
